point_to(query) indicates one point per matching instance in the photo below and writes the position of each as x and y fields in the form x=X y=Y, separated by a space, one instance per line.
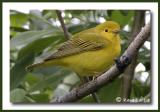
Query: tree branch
x=66 y=33
x=129 y=72
x=108 y=76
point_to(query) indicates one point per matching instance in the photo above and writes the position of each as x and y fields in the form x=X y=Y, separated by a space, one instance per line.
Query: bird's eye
x=106 y=30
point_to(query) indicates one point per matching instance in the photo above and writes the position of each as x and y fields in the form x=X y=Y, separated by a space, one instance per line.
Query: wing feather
x=75 y=46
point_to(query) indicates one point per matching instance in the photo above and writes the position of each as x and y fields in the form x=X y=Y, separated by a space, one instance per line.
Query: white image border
x=7 y=105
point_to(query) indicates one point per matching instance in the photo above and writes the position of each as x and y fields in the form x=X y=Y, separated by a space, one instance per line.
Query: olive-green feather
x=78 y=44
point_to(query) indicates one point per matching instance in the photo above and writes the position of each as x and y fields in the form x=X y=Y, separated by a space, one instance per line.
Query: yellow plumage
x=89 y=52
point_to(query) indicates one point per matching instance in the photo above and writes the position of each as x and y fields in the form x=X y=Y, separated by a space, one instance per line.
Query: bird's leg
x=97 y=74
x=85 y=80
x=123 y=63
x=94 y=94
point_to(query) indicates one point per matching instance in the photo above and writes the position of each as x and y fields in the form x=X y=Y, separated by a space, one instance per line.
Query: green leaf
x=39 y=45
x=51 y=80
x=18 y=29
x=144 y=57
x=17 y=95
x=108 y=93
x=47 y=14
x=124 y=12
x=18 y=72
x=20 y=40
x=41 y=98
x=122 y=19
x=18 y=19
x=17 y=22
x=37 y=22
x=87 y=99
x=76 y=28
x=140 y=90
x=28 y=100
x=76 y=12
x=80 y=27
x=15 y=30
x=31 y=80
x=111 y=91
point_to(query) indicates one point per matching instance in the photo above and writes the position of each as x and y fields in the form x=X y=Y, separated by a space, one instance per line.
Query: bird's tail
x=33 y=66
x=43 y=64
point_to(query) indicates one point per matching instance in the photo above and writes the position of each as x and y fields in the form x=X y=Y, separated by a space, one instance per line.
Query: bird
x=87 y=53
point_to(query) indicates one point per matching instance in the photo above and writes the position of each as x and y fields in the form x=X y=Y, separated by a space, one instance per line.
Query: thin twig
x=66 y=33
x=95 y=97
x=108 y=76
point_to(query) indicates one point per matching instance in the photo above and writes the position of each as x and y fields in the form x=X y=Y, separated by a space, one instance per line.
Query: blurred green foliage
x=36 y=34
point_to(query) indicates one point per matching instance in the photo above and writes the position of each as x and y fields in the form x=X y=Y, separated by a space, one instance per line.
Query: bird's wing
x=77 y=45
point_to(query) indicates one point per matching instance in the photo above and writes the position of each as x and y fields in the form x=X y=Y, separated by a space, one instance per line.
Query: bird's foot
x=123 y=63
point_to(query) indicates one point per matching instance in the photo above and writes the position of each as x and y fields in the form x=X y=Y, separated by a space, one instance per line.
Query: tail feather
x=43 y=64
x=33 y=66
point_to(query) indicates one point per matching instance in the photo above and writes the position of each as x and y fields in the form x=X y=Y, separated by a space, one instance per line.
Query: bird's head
x=109 y=29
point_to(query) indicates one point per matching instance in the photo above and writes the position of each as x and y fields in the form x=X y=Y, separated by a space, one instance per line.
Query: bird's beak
x=116 y=31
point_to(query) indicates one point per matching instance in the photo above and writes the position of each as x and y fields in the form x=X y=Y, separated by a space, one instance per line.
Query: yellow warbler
x=87 y=53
